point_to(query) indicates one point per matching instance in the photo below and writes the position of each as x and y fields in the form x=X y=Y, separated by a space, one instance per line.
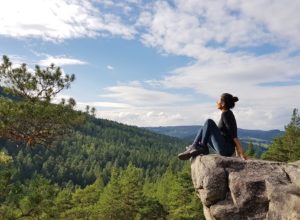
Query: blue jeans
x=210 y=135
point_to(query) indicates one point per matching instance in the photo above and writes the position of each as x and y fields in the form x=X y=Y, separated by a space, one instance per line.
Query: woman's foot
x=192 y=151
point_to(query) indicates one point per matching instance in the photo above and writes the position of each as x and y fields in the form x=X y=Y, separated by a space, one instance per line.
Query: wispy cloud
x=137 y=95
x=105 y=104
x=15 y=59
x=219 y=35
x=109 y=67
x=207 y=29
x=226 y=39
x=57 y=20
x=60 y=61
x=243 y=77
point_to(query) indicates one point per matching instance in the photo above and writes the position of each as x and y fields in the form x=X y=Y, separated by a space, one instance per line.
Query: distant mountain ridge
x=188 y=133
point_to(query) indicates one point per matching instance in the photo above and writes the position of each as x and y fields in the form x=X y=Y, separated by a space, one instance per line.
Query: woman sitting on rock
x=222 y=138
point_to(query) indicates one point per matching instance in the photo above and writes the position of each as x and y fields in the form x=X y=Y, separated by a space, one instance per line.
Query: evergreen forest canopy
x=286 y=148
x=58 y=163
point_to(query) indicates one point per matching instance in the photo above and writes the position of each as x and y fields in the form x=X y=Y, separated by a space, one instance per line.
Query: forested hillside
x=92 y=150
x=59 y=163
x=88 y=175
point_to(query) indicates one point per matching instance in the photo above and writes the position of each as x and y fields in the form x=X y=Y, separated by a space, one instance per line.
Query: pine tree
x=63 y=200
x=183 y=204
x=164 y=187
x=83 y=201
x=32 y=200
x=250 y=151
x=6 y=171
x=132 y=191
x=110 y=203
x=286 y=148
x=151 y=209
x=26 y=111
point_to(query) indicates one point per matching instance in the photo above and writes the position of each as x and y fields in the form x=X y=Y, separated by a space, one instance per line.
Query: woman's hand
x=243 y=156
x=239 y=149
x=240 y=154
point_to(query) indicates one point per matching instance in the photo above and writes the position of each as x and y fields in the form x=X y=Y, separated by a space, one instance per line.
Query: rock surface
x=231 y=188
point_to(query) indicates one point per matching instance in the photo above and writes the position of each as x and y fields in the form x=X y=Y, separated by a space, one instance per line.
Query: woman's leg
x=198 y=137
x=195 y=149
x=208 y=135
x=211 y=136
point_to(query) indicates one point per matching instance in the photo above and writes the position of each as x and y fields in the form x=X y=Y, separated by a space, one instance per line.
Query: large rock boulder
x=231 y=188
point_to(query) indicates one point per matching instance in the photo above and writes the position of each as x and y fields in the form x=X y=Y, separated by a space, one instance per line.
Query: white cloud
x=109 y=67
x=278 y=17
x=105 y=104
x=240 y=72
x=223 y=37
x=218 y=34
x=60 y=61
x=125 y=6
x=260 y=107
x=156 y=115
x=57 y=20
x=137 y=95
x=16 y=60
x=206 y=29
x=259 y=116
x=58 y=98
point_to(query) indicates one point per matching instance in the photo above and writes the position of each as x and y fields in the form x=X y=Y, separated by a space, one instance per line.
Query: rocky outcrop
x=231 y=188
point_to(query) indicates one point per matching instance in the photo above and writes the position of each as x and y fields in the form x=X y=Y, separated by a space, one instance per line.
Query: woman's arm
x=239 y=149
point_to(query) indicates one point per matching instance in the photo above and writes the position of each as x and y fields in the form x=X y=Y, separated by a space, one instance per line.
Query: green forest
x=60 y=163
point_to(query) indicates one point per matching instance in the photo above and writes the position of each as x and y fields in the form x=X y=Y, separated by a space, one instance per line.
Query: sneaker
x=192 y=151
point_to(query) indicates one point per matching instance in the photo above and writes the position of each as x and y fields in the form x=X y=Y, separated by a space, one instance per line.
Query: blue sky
x=158 y=63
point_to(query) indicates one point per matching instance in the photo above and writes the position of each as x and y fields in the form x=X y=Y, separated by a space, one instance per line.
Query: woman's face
x=220 y=104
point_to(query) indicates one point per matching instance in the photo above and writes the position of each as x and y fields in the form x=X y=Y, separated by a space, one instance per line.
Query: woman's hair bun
x=235 y=99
